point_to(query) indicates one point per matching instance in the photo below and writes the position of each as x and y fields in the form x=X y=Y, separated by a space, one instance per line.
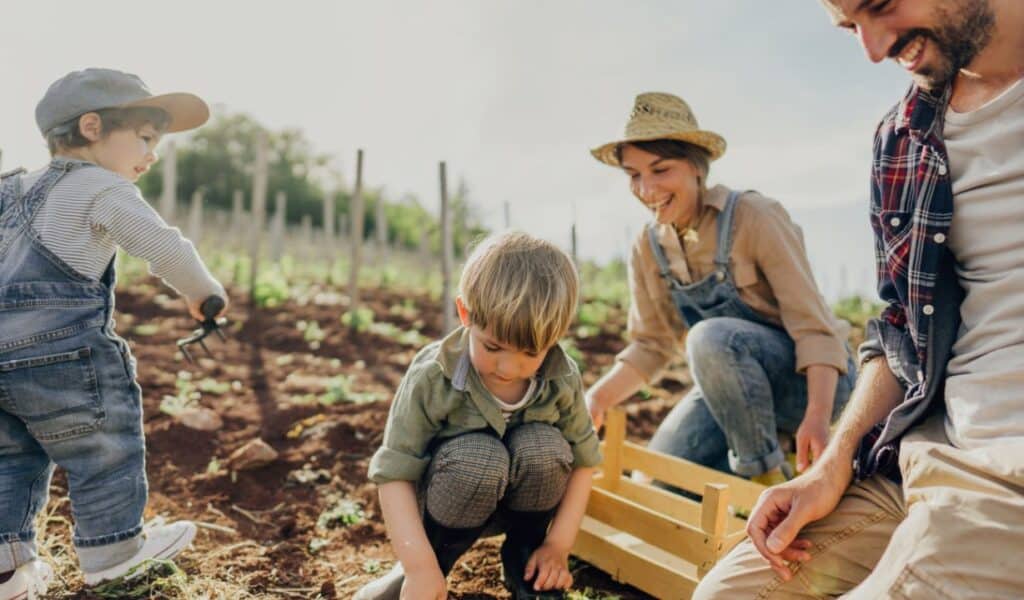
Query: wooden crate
x=652 y=539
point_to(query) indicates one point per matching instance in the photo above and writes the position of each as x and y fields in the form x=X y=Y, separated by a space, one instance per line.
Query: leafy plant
x=339 y=389
x=344 y=513
x=360 y=319
x=155 y=579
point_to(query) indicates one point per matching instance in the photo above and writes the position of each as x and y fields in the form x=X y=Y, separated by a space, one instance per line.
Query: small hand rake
x=210 y=308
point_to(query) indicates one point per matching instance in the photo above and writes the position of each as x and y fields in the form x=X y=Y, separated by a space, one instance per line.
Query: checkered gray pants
x=471 y=475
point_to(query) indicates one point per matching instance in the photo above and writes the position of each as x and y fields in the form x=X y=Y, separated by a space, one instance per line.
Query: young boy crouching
x=489 y=427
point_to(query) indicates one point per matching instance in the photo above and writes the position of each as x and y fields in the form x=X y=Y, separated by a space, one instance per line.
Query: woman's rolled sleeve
x=805 y=316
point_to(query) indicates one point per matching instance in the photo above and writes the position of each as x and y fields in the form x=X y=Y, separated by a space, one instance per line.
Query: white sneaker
x=29 y=582
x=162 y=542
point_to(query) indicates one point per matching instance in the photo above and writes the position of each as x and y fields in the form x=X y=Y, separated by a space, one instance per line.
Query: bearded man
x=920 y=493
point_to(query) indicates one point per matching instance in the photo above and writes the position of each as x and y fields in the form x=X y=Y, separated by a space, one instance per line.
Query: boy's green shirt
x=441 y=396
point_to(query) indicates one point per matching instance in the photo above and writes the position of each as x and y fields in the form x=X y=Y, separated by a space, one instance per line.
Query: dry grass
x=198 y=578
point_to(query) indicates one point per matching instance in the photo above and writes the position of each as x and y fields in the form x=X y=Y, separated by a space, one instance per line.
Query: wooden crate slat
x=687 y=475
x=676 y=537
x=630 y=561
x=664 y=501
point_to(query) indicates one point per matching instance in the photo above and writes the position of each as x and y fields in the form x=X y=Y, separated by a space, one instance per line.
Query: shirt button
x=895 y=221
x=939 y=238
x=942 y=168
x=928 y=309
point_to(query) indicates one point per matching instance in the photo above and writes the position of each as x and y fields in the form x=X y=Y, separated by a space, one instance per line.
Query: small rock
x=201 y=419
x=252 y=455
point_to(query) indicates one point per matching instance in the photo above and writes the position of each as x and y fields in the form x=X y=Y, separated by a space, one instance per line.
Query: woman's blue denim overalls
x=744 y=371
x=67 y=393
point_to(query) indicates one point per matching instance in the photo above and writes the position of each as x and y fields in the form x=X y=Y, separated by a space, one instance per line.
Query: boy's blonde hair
x=523 y=288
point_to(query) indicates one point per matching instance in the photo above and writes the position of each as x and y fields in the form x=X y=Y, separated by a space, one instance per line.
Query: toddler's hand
x=195 y=308
x=548 y=568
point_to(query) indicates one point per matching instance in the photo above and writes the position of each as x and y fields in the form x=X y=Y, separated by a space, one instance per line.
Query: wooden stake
x=195 y=217
x=575 y=260
x=259 y=209
x=239 y=223
x=381 y=220
x=169 y=192
x=356 y=213
x=278 y=227
x=447 y=258
x=329 y=220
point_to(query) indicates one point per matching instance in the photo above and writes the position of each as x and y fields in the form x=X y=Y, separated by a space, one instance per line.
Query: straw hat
x=660 y=116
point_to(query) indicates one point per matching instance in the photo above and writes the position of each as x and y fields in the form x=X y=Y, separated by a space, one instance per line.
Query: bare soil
x=260 y=527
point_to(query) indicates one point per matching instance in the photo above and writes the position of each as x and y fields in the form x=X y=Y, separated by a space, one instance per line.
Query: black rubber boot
x=448 y=544
x=526 y=531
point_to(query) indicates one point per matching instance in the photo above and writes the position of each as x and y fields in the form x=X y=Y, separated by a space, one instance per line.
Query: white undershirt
x=985 y=384
x=508 y=409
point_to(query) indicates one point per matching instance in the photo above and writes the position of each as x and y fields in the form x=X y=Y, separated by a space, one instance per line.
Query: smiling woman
x=724 y=273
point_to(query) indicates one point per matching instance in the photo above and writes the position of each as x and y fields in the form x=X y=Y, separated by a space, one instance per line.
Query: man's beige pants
x=954 y=530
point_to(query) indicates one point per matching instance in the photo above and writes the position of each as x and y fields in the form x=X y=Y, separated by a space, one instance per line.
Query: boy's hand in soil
x=424 y=584
x=548 y=568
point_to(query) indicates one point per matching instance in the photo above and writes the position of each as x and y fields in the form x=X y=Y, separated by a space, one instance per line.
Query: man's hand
x=425 y=584
x=811 y=439
x=548 y=568
x=783 y=510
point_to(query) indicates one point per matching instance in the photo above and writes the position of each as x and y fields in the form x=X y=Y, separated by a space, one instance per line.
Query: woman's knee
x=710 y=343
x=467 y=477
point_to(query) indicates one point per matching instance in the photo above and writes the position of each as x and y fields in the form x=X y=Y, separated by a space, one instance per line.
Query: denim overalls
x=67 y=393
x=744 y=370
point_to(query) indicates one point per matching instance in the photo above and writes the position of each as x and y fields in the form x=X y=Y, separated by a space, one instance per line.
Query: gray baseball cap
x=88 y=90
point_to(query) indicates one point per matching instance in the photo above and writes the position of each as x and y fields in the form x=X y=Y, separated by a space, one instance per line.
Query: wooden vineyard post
x=447 y=300
x=575 y=259
x=329 y=200
x=381 y=222
x=169 y=191
x=356 y=224
x=195 y=217
x=278 y=226
x=259 y=208
x=239 y=224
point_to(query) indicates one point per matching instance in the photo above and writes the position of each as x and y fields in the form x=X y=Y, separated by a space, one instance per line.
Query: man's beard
x=963 y=30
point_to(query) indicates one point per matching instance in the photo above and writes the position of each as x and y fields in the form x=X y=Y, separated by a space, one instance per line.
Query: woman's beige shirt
x=769 y=265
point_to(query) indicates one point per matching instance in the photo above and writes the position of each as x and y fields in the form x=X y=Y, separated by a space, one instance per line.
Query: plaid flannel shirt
x=911 y=212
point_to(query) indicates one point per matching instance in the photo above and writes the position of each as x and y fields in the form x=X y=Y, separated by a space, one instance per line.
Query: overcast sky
x=511 y=94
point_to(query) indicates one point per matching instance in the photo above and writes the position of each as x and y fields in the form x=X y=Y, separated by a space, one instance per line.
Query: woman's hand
x=548 y=568
x=597 y=409
x=425 y=584
x=812 y=435
x=811 y=439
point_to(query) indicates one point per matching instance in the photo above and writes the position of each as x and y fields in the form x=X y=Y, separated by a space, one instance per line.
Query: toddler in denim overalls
x=68 y=393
